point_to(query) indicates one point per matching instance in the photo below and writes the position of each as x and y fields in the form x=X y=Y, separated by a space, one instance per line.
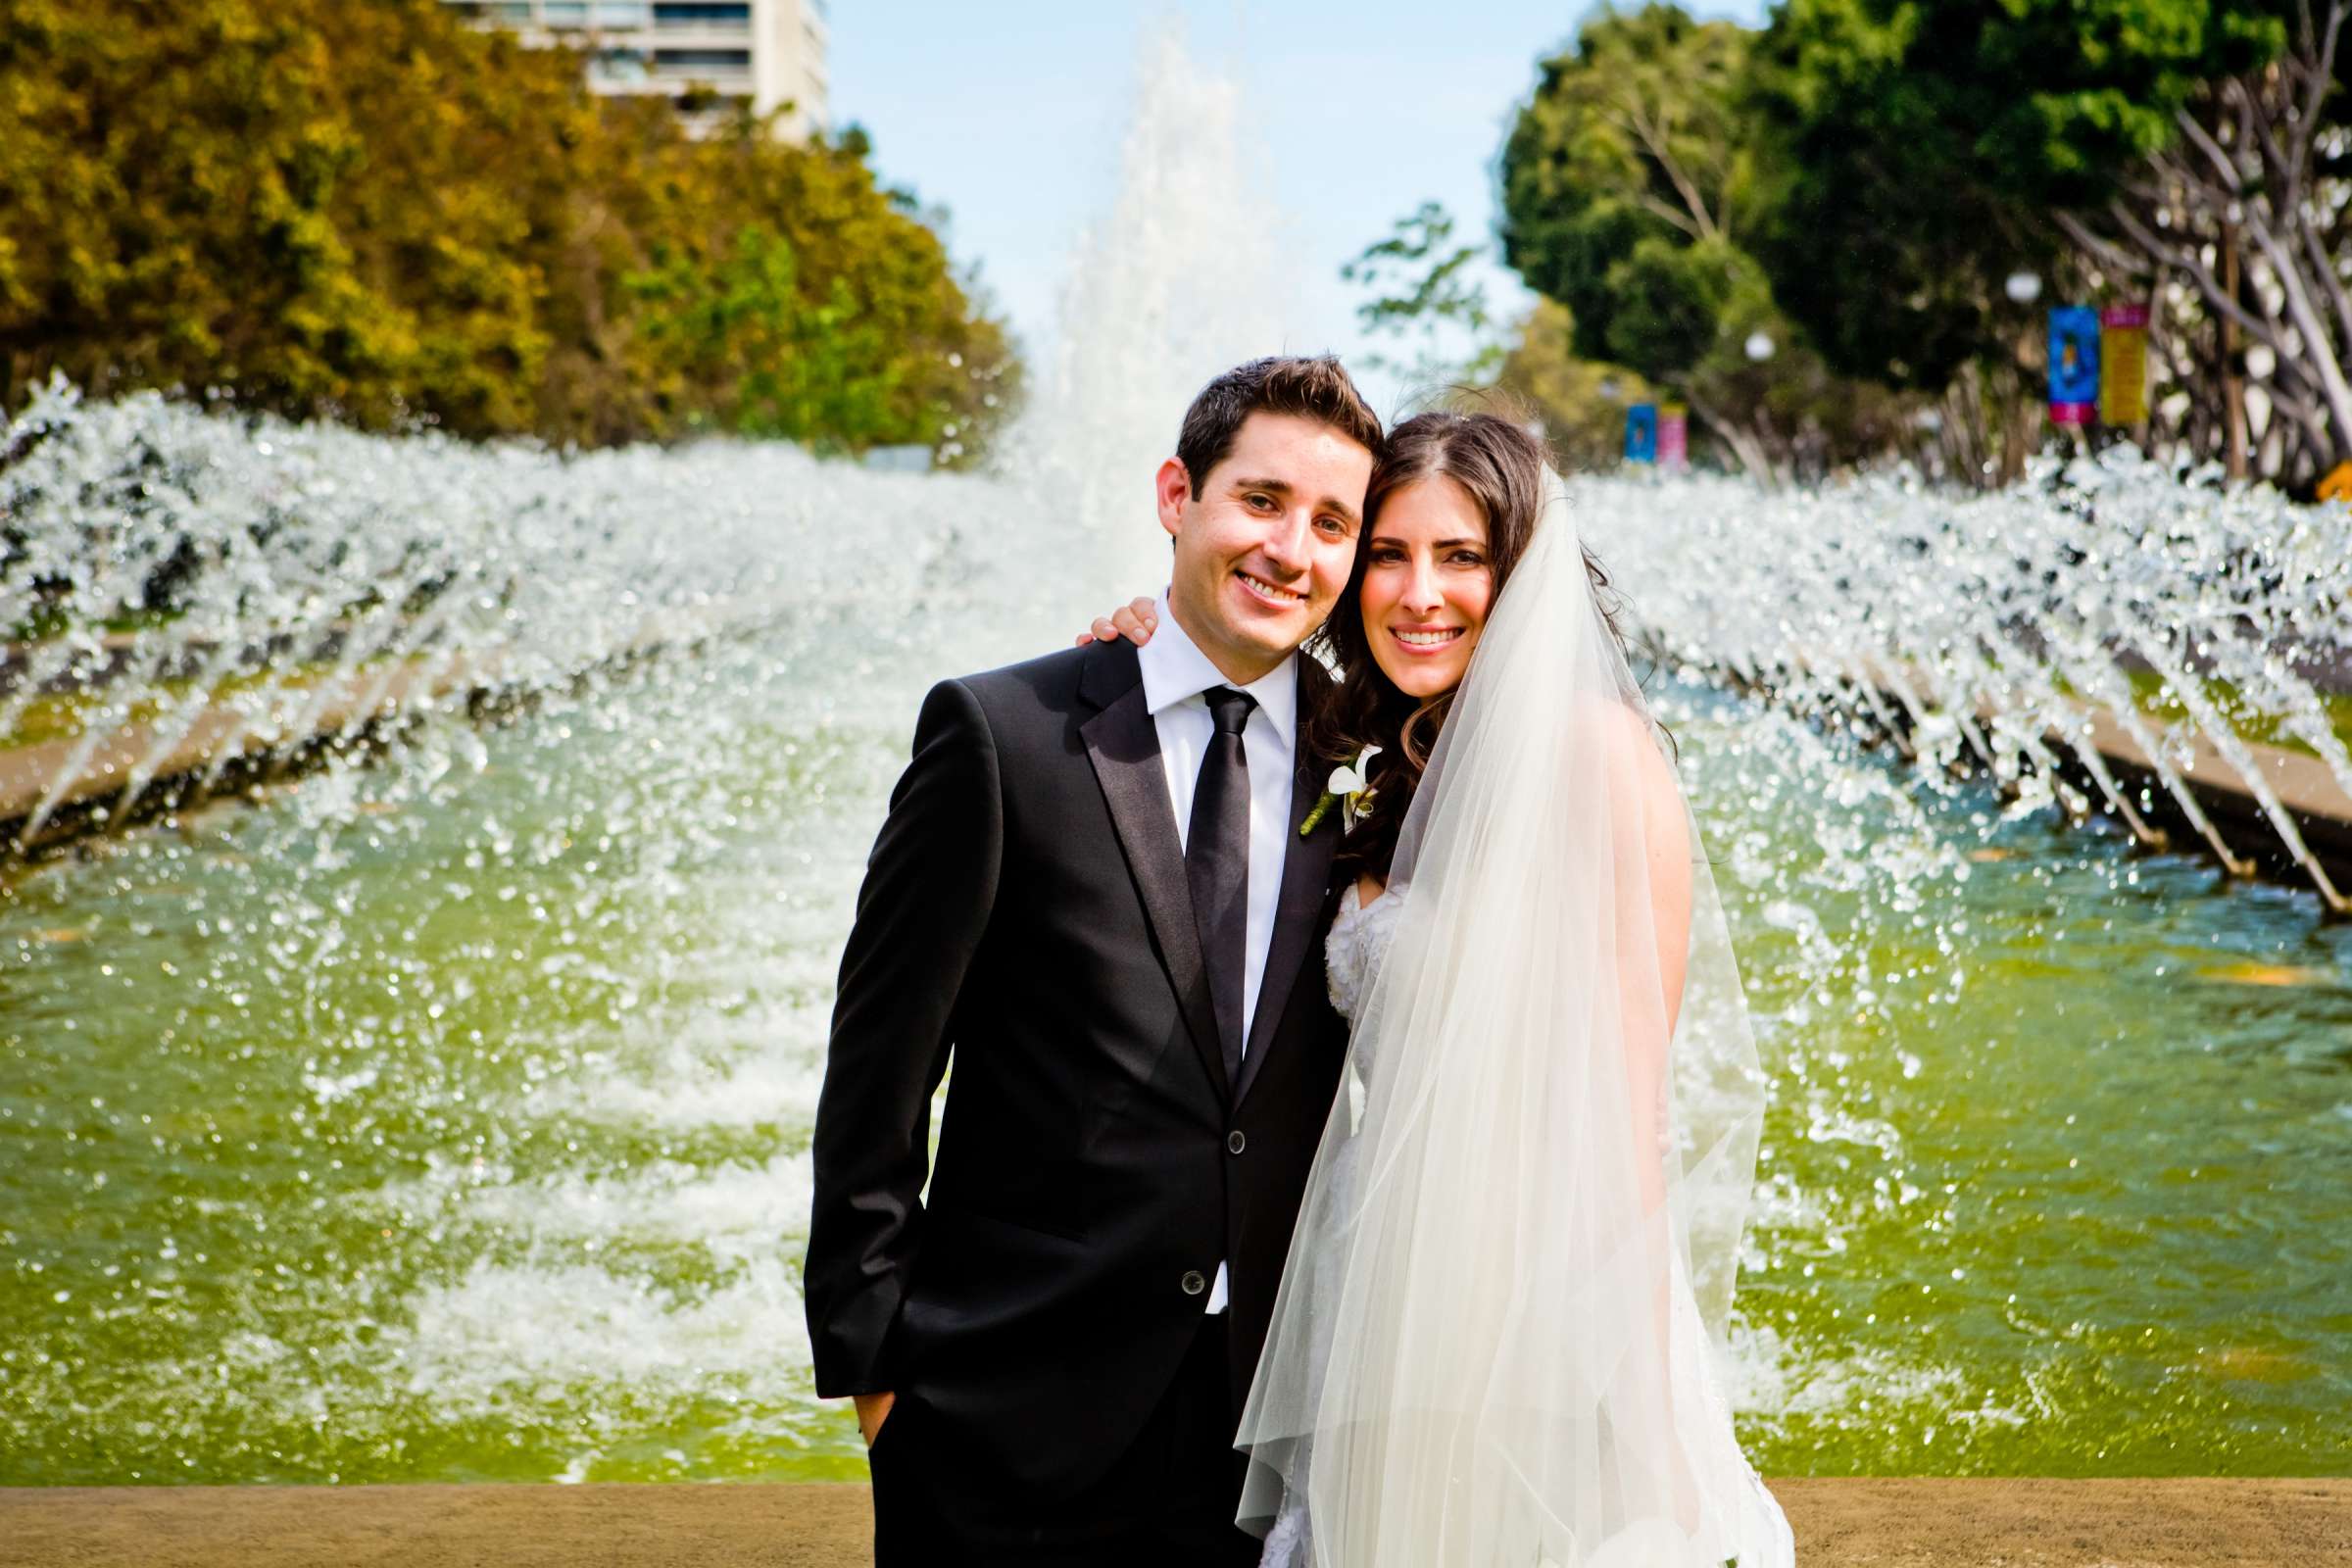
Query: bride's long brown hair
x=1500 y=466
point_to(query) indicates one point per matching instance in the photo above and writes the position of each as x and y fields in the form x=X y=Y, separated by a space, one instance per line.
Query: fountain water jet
x=2052 y=614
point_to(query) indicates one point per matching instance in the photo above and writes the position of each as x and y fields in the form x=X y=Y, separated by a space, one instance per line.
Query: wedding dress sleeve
x=1499 y=1331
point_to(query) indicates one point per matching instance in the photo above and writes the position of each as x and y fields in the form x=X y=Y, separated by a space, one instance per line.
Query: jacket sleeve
x=921 y=914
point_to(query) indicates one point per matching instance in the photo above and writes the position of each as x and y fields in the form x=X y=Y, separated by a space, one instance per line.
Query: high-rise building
x=764 y=52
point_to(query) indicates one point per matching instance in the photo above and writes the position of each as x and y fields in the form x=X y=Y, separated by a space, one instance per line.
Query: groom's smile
x=1282 y=598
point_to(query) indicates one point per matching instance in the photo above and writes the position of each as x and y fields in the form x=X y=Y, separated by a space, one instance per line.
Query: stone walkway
x=2194 y=1523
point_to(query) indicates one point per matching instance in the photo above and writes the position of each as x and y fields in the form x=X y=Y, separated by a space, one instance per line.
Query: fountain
x=192 y=590
x=2042 y=632
x=446 y=1119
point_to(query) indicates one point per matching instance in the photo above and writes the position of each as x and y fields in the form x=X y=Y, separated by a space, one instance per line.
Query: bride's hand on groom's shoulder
x=1135 y=620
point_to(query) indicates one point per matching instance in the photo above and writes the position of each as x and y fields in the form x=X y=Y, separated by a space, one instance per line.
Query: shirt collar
x=1175 y=669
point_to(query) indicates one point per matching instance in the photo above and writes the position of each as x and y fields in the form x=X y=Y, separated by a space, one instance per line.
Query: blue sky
x=1010 y=115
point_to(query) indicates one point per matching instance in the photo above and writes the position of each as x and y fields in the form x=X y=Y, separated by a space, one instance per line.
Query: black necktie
x=1216 y=864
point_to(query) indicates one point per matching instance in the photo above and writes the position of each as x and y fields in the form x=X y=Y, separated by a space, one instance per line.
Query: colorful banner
x=2074 y=363
x=1641 y=433
x=2124 y=364
x=1673 y=437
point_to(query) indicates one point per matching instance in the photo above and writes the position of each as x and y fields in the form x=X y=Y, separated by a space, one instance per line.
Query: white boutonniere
x=1351 y=785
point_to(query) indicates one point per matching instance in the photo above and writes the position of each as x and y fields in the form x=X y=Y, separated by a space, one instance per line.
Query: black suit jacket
x=1025 y=907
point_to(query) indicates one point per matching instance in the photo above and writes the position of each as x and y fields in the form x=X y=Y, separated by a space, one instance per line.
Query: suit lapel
x=1123 y=744
x=1305 y=877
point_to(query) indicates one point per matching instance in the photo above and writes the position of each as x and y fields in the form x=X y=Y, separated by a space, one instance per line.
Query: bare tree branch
x=2202 y=139
x=1659 y=206
x=2256 y=117
x=1656 y=140
x=2323 y=267
x=2189 y=262
x=2316 y=342
x=2105 y=250
x=2320 y=76
x=1742 y=442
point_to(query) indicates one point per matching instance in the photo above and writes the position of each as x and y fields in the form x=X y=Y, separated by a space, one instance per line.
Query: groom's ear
x=1174 y=488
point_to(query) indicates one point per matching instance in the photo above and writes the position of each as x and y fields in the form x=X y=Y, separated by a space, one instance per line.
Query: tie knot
x=1229 y=709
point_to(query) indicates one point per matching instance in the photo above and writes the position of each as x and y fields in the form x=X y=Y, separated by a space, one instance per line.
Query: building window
x=563 y=13
x=622 y=14
x=703 y=58
x=619 y=65
x=736 y=18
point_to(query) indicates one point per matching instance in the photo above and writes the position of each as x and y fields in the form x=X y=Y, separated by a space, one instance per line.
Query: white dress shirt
x=1176 y=672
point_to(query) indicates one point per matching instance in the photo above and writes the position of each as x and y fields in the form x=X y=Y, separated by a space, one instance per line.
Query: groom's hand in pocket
x=873 y=1410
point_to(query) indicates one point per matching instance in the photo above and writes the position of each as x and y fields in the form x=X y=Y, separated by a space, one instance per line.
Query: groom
x=1092 y=889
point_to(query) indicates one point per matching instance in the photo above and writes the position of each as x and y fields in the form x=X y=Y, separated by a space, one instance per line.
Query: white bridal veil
x=1497 y=1334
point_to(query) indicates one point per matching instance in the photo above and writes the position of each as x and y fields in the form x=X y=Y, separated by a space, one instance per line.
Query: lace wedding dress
x=1498 y=1337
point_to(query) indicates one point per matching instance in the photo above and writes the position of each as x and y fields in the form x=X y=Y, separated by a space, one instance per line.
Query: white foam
x=735 y=1210
x=685 y=1089
x=538 y=1331
x=1771 y=1380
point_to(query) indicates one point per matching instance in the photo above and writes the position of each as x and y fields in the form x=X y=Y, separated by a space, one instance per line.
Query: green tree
x=1917 y=152
x=376 y=213
x=1627 y=155
x=190 y=195
x=891 y=346
x=1427 y=296
x=1627 y=193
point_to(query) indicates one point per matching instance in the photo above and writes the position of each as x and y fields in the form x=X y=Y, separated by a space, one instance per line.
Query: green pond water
x=449 y=1121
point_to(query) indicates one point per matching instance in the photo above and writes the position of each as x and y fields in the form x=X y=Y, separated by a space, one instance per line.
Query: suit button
x=1235 y=1143
x=1194 y=1281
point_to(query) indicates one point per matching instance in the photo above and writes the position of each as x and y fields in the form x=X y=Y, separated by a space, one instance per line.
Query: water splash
x=1178 y=282
x=2005 y=628
x=168 y=569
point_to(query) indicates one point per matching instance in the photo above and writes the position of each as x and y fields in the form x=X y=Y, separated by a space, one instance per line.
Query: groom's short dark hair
x=1317 y=389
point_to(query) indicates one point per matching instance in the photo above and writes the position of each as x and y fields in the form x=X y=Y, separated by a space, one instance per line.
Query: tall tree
x=1917 y=152
x=1627 y=194
x=376 y=213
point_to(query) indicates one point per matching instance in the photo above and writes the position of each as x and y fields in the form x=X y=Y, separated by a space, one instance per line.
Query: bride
x=1500 y=1327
